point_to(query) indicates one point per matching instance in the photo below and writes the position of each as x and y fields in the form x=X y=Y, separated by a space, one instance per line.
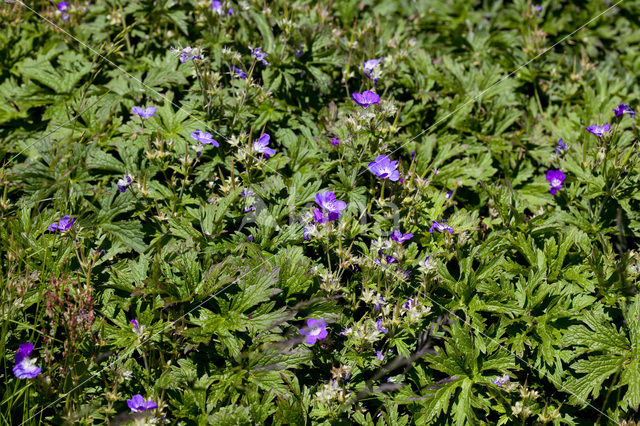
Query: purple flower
x=217 y=7
x=135 y=327
x=538 y=8
x=449 y=194
x=327 y=202
x=62 y=8
x=238 y=72
x=380 y=328
x=63 y=225
x=561 y=146
x=259 y=55
x=624 y=108
x=261 y=145
x=428 y=263
x=25 y=367
x=335 y=141
x=187 y=53
x=366 y=98
x=383 y=167
x=305 y=234
x=379 y=355
x=123 y=183
x=555 y=178
x=204 y=137
x=599 y=131
x=144 y=113
x=500 y=381
x=379 y=304
x=321 y=216
x=387 y=258
x=137 y=403
x=408 y=304
x=316 y=329
x=399 y=237
x=251 y=238
x=369 y=66
x=440 y=227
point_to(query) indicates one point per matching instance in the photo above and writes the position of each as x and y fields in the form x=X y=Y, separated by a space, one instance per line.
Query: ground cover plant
x=298 y=212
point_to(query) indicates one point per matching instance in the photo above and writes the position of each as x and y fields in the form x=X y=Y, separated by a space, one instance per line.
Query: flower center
x=556 y=182
x=315 y=331
x=28 y=363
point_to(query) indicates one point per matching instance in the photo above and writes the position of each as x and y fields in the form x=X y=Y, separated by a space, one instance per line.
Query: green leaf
x=265 y=31
x=62 y=78
x=130 y=233
x=98 y=159
x=597 y=369
x=600 y=335
x=256 y=288
x=462 y=411
x=437 y=402
x=631 y=377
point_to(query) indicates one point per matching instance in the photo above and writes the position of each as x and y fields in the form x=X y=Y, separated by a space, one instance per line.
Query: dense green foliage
x=527 y=313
